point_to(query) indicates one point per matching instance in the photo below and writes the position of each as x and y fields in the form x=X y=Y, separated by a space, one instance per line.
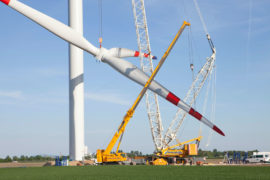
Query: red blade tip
x=218 y=130
x=5 y=1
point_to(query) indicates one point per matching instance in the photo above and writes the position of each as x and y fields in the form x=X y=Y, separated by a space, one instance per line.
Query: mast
x=151 y=98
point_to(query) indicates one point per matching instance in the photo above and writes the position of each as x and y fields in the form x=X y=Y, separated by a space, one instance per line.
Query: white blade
x=124 y=52
x=61 y=30
x=132 y=72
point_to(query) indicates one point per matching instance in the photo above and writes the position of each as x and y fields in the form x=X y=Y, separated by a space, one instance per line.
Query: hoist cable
x=191 y=61
x=201 y=17
x=100 y=22
x=190 y=57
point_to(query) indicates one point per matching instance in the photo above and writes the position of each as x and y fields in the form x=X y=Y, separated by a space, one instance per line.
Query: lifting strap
x=100 y=39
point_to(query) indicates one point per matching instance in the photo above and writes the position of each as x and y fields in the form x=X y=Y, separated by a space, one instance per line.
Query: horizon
x=34 y=75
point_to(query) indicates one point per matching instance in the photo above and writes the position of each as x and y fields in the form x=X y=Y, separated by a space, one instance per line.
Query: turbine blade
x=56 y=27
x=132 y=72
x=124 y=52
x=181 y=104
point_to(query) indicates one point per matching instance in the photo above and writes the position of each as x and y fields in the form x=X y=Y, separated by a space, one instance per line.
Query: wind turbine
x=107 y=56
x=76 y=86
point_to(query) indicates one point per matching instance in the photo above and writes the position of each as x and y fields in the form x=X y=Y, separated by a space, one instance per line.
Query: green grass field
x=136 y=172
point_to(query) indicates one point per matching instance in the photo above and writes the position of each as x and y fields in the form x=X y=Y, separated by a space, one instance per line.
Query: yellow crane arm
x=182 y=143
x=130 y=112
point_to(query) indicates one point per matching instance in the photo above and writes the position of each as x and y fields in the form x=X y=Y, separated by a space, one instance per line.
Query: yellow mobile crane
x=178 y=151
x=184 y=150
x=105 y=156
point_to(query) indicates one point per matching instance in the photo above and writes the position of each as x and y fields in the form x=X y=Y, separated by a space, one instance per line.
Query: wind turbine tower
x=76 y=85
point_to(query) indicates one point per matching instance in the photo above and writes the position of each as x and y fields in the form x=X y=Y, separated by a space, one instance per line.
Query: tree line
x=201 y=153
x=220 y=154
x=23 y=158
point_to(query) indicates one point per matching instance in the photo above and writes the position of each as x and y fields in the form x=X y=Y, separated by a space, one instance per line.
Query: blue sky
x=34 y=75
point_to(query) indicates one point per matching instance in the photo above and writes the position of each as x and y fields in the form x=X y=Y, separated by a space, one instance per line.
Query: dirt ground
x=18 y=164
x=214 y=161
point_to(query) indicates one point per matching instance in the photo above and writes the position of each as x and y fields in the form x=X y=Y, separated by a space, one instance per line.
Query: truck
x=259 y=157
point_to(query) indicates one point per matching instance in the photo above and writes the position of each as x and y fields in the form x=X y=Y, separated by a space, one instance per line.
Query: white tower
x=76 y=85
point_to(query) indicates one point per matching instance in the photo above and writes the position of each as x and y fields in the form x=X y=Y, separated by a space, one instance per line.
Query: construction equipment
x=192 y=94
x=162 y=138
x=182 y=149
x=106 y=156
x=151 y=98
x=160 y=161
x=177 y=151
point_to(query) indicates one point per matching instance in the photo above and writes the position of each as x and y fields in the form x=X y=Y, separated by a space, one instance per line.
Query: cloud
x=12 y=94
x=20 y=98
x=51 y=72
x=48 y=100
x=107 y=97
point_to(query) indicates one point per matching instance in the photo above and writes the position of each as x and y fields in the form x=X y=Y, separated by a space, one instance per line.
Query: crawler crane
x=106 y=156
x=180 y=150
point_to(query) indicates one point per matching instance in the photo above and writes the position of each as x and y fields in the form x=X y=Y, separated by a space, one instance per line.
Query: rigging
x=100 y=39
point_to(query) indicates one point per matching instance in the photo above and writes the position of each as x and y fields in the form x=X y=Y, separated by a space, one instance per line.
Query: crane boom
x=191 y=96
x=195 y=88
x=151 y=98
x=105 y=155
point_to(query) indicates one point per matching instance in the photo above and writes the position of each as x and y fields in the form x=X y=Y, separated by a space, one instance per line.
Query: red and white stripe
x=177 y=101
x=124 y=52
x=137 y=54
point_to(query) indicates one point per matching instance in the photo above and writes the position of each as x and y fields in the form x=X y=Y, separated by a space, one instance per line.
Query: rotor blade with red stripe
x=132 y=72
x=124 y=52
x=181 y=104
x=137 y=54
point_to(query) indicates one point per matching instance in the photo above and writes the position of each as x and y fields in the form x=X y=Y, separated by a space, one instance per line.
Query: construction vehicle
x=162 y=138
x=106 y=156
x=185 y=149
x=181 y=149
x=178 y=151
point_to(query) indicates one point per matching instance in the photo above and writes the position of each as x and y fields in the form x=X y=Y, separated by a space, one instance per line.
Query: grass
x=136 y=172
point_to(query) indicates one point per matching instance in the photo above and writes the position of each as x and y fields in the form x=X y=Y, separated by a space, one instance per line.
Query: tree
x=15 y=158
x=38 y=157
x=8 y=159
x=215 y=152
x=22 y=158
